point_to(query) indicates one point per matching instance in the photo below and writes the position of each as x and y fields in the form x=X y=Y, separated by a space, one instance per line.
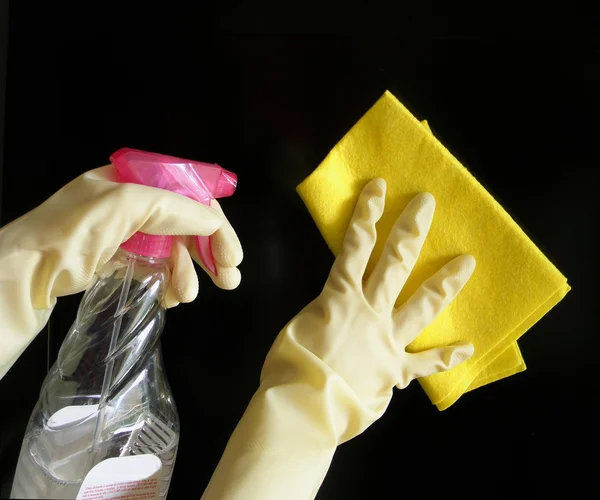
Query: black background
x=267 y=91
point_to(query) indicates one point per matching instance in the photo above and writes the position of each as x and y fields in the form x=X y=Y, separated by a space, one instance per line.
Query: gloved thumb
x=156 y=211
x=161 y=212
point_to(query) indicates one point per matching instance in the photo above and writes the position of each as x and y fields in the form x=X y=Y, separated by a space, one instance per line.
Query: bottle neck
x=141 y=269
x=126 y=255
x=149 y=245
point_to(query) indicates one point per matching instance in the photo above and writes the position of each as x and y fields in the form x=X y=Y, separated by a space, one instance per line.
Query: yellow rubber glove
x=55 y=249
x=331 y=371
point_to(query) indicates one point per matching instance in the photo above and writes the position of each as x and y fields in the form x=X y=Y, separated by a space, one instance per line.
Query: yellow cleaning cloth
x=514 y=284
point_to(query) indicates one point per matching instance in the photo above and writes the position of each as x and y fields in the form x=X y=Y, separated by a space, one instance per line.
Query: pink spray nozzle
x=199 y=181
x=227 y=184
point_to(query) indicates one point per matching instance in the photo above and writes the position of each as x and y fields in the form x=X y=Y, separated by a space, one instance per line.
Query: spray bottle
x=105 y=424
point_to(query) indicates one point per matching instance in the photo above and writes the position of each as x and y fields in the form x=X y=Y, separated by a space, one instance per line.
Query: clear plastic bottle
x=106 y=416
x=107 y=395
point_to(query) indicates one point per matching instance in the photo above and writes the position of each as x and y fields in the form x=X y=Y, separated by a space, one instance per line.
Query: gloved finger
x=431 y=298
x=225 y=244
x=183 y=286
x=152 y=210
x=170 y=299
x=437 y=360
x=226 y=278
x=400 y=252
x=361 y=236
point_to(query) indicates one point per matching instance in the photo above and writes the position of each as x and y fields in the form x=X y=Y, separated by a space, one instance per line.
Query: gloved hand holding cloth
x=332 y=369
x=515 y=284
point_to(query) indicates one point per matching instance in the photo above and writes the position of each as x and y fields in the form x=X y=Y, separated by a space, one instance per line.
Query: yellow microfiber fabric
x=514 y=284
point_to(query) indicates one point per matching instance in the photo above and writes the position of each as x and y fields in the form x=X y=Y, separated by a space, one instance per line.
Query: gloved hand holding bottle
x=331 y=371
x=106 y=417
x=56 y=249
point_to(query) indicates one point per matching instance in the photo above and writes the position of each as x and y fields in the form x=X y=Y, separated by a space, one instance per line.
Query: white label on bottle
x=70 y=416
x=137 y=477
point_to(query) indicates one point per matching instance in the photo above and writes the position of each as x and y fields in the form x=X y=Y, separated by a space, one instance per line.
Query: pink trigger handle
x=204 y=248
x=202 y=182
